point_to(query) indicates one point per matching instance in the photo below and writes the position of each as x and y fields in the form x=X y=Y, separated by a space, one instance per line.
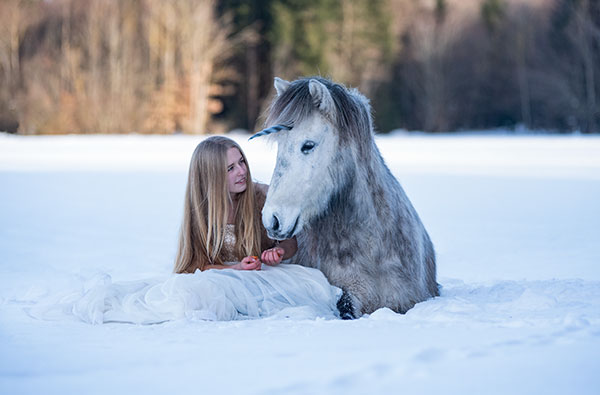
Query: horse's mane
x=352 y=115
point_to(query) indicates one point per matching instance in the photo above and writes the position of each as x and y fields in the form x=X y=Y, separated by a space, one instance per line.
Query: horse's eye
x=308 y=146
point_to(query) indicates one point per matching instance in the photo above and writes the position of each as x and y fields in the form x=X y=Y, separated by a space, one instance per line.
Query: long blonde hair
x=206 y=208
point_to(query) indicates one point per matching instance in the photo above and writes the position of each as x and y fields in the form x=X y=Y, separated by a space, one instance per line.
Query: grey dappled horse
x=332 y=190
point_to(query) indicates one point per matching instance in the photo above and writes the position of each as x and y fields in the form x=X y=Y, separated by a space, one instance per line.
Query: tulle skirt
x=217 y=295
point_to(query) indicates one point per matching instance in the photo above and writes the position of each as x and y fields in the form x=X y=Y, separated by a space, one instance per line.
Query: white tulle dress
x=218 y=295
x=285 y=290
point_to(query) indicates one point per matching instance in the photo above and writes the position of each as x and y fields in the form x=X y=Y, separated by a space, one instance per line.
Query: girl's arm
x=290 y=246
x=284 y=250
x=247 y=263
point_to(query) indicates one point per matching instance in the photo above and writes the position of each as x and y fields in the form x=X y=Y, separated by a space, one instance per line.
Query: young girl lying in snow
x=221 y=229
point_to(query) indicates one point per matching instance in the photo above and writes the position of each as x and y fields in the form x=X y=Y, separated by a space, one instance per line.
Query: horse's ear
x=321 y=96
x=281 y=85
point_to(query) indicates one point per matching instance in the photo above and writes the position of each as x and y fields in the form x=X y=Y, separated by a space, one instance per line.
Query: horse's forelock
x=352 y=116
x=292 y=106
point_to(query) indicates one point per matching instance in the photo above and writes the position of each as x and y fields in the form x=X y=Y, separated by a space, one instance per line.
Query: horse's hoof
x=344 y=305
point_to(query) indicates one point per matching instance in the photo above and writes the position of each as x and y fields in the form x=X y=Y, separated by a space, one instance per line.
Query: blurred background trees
x=198 y=66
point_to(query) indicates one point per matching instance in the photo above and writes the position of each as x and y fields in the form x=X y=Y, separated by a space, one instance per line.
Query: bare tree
x=585 y=33
x=15 y=17
x=112 y=67
x=523 y=46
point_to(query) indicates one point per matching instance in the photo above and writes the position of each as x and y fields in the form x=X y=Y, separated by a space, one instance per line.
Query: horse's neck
x=371 y=190
x=361 y=202
x=358 y=216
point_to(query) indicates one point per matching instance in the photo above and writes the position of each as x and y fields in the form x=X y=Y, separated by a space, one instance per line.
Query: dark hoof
x=344 y=305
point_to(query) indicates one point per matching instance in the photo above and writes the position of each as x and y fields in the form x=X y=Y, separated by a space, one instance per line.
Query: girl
x=222 y=211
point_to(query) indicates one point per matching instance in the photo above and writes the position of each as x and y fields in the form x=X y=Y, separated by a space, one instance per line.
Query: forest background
x=207 y=66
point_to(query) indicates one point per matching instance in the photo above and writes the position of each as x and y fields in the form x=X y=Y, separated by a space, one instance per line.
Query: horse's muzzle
x=275 y=231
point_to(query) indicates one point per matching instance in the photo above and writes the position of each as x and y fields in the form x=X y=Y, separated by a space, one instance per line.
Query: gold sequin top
x=228 y=252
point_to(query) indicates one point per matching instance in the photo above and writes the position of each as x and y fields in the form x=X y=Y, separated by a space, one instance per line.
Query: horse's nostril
x=275 y=224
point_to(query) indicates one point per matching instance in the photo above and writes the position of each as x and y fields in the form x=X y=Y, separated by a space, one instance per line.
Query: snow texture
x=514 y=219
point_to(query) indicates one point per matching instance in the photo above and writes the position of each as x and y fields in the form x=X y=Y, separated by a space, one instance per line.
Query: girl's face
x=236 y=171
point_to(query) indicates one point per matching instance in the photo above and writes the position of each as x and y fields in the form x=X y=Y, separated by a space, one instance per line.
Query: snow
x=514 y=220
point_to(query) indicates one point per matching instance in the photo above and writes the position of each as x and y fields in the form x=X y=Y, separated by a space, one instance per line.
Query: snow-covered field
x=515 y=221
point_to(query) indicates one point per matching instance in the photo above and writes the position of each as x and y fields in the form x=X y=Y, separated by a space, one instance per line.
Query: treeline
x=197 y=66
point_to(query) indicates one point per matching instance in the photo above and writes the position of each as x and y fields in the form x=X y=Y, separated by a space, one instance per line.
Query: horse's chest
x=334 y=251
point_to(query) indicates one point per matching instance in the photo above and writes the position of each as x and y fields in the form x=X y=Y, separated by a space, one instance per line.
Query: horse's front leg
x=358 y=296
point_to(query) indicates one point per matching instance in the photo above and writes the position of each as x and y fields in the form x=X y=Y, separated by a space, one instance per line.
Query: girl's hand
x=272 y=256
x=249 y=263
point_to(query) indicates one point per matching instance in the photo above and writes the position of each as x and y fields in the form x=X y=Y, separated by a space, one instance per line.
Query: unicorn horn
x=272 y=129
